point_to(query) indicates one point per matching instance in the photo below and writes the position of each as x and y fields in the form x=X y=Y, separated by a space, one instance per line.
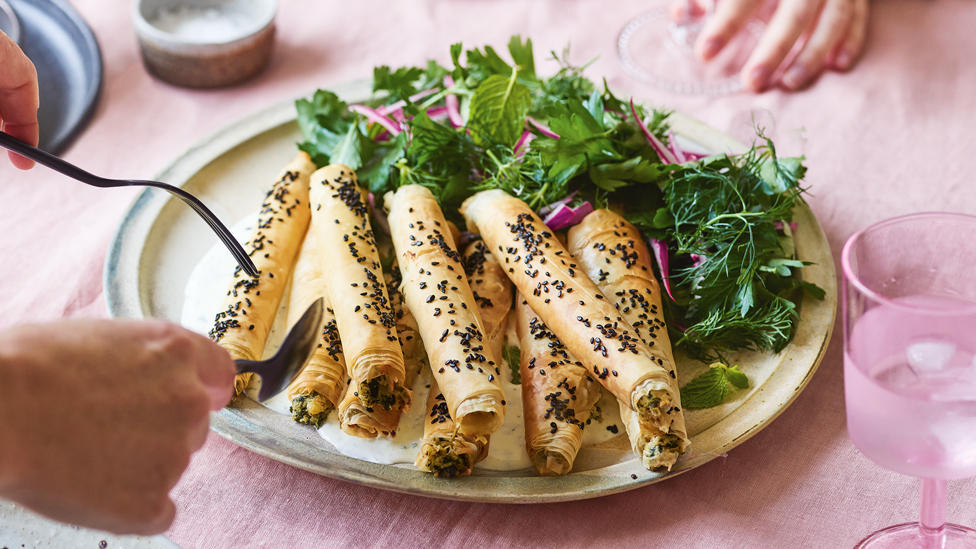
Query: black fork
x=43 y=158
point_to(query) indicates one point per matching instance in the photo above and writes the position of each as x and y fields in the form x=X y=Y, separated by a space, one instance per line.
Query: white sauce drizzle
x=204 y=294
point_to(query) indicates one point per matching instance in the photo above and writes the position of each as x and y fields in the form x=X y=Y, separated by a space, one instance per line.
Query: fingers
x=791 y=19
x=212 y=363
x=162 y=521
x=846 y=53
x=729 y=17
x=217 y=373
x=19 y=98
x=681 y=10
x=830 y=29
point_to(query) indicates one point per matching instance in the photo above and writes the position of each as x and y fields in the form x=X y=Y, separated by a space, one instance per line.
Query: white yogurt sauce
x=403 y=448
x=203 y=25
x=204 y=294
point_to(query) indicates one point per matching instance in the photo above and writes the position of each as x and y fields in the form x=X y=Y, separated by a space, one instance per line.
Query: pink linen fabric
x=892 y=137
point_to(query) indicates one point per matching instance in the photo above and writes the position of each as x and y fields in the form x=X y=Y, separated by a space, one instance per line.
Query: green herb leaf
x=522 y=56
x=498 y=111
x=399 y=84
x=710 y=388
x=737 y=378
x=351 y=148
x=513 y=356
x=482 y=66
x=816 y=291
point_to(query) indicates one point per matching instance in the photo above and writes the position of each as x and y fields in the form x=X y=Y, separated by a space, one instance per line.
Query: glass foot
x=907 y=536
x=657 y=51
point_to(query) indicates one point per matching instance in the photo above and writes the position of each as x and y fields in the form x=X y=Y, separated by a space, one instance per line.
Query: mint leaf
x=498 y=111
x=513 y=356
x=482 y=66
x=705 y=391
x=710 y=388
x=737 y=378
x=522 y=55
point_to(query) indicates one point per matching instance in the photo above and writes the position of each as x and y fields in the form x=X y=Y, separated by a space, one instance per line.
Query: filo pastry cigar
x=363 y=421
x=319 y=387
x=356 y=289
x=612 y=253
x=445 y=452
x=492 y=291
x=438 y=294
x=558 y=395
x=572 y=306
x=249 y=310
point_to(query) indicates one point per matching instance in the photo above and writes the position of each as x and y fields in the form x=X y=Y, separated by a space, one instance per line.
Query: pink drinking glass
x=909 y=298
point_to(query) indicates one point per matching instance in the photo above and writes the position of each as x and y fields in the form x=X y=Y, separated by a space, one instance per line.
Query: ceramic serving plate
x=160 y=241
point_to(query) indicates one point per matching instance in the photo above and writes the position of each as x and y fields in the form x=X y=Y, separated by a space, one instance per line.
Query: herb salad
x=719 y=226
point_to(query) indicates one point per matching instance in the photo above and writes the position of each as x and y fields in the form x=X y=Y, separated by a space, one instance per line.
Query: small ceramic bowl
x=205 y=43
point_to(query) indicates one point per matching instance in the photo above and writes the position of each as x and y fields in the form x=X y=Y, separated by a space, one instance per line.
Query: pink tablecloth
x=892 y=137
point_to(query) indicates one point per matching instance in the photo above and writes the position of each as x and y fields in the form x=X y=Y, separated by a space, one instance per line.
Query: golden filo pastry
x=612 y=253
x=249 y=310
x=356 y=289
x=572 y=305
x=492 y=291
x=319 y=387
x=372 y=421
x=438 y=294
x=558 y=395
x=444 y=451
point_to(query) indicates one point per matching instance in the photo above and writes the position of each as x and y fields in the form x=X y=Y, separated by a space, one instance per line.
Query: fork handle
x=45 y=158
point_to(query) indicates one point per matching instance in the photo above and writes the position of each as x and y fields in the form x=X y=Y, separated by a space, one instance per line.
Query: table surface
x=886 y=139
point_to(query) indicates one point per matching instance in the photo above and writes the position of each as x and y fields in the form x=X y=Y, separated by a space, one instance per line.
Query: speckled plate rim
x=246 y=423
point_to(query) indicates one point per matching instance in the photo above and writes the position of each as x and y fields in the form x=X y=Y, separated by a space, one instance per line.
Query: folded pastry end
x=662 y=451
x=378 y=391
x=311 y=409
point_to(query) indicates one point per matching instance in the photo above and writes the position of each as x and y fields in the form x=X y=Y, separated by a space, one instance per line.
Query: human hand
x=833 y=31
x=98 y=418
x=18 y=97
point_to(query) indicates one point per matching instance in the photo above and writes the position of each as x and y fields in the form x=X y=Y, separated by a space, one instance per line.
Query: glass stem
x=931 y=524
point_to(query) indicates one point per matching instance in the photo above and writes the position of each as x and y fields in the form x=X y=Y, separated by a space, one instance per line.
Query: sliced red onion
x=378 y=214
x=398 y=116
x=547 y=209
x=378 y=118
x=437 y=113
x=656 y=144
x=541 y=127
x=453 y=105
x=678 y=155
x=779 y=225
x=697 y=260
x=564 y=216
x=659 y=250
x=465 y=238
x=522 y=142
x=622 y=114
x=401 y=103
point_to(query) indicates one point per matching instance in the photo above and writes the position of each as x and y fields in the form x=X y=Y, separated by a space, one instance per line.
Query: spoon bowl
x=278 y=371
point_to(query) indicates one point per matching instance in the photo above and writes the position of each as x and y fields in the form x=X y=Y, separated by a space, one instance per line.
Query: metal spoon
x=278 y=371
x=44 y=158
